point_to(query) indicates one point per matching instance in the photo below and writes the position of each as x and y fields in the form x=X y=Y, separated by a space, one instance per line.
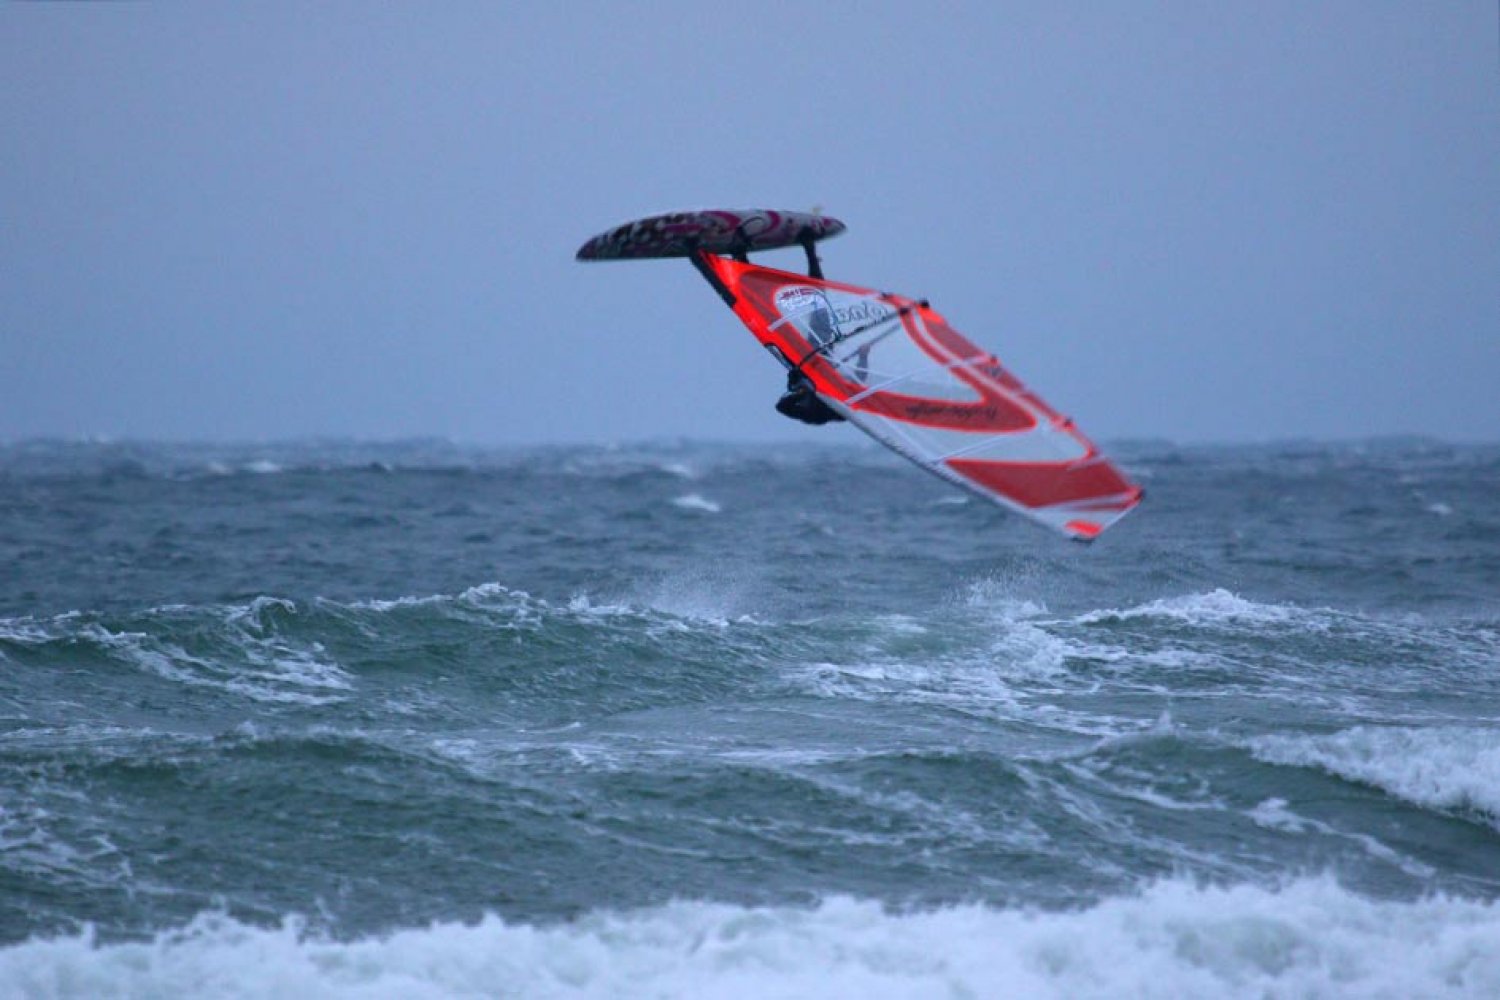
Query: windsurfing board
x=679 y=234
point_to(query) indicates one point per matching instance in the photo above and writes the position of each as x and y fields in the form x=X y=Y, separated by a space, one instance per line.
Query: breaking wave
x=1449 y=768
x=238 y=649
x=1214 y=607
x=696 y=501
x=1310 y=938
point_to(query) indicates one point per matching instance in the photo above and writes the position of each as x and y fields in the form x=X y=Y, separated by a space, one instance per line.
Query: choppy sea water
x=421 y=720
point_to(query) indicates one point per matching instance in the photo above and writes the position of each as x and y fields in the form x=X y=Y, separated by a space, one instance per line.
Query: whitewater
x=417 y=719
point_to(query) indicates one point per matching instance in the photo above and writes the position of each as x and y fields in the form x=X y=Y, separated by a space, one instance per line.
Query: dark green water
x=545 y=722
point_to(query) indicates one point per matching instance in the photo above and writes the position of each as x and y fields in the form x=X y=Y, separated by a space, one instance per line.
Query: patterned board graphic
x=676 y=234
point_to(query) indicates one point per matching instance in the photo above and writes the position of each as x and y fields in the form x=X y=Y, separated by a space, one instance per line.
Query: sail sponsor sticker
x=795 y=299
x=844 y=309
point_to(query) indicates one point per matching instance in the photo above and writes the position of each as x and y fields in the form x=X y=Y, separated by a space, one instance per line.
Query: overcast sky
x=1199 y=221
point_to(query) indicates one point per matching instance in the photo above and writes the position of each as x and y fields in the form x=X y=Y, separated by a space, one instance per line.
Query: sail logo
x=862 y=312
x=798 y=298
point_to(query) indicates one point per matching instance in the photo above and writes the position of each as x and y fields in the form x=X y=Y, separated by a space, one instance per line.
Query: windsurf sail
x=893 y=367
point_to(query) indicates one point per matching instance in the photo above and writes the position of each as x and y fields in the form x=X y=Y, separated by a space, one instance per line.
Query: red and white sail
x=894 y=368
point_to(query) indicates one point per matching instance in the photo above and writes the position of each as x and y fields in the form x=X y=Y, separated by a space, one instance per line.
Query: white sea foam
x=1310 y=938
x=901 y=625
x=240 y=650
x=696 y=501
x=1031 y=641
x=1274 y=814
x=998 y=648
x=714 y=597
x=1436 y=768
x=667 y=603
x=250 y=619
x=495 y=604
x=263 y=668
x=483 y=594
x=992 y=640
x=1215 y=607
x=998 y=597
x=23 y=632
x=491 y=595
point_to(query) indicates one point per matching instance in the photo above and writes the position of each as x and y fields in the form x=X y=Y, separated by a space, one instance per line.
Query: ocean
x=417 y=719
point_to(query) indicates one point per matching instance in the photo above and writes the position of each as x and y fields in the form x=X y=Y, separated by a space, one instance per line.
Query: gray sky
x=1229 y=221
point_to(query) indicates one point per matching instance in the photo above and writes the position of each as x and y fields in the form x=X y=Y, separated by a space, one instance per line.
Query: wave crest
x=1439 y=768
x=1311 y=938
